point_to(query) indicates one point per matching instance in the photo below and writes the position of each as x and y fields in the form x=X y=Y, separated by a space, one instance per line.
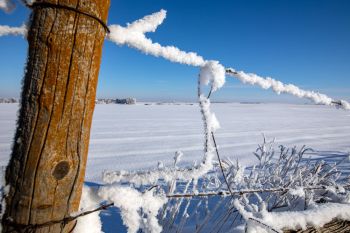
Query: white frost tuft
x=133 y=35
x=7 y=5
x=213 y=72
x=90 y=223
x=15 y=31
x=345 y=105
x=299 y=192
x=138 y=210
x=211 y=120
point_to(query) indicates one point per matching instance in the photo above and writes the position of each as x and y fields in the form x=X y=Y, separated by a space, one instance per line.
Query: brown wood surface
x=335 y=226
x=47 y=166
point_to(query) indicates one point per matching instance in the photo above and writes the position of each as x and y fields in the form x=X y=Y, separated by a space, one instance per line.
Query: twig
x=211 y=91
x=221 y=167
x=263 y=224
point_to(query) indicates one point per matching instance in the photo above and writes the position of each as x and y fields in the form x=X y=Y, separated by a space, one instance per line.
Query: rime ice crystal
x=131 y=203
x=90 y=223
x=213 y=72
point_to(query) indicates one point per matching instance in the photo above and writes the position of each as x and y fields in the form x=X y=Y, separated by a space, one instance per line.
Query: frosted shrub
x=281 y=182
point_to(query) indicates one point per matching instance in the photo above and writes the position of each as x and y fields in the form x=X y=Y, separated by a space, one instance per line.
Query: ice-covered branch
x=15 y=31
x=7 y=5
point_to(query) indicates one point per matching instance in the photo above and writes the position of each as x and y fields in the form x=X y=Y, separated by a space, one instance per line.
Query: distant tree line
x=8 y=100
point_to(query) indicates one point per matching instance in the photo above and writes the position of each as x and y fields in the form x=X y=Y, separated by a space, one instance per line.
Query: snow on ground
x=133 y=137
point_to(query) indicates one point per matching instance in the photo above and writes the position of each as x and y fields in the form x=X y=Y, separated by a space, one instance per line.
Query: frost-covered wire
x=279 y=87
x=133 y=35
x=15 y=31
x=7 y=5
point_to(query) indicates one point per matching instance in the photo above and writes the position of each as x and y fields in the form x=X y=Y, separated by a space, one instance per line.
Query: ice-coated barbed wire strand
x=250 y=191
x=14 y=31
x=133 y=35
x=33 y=227
x=7 y=5
x=279 y=87
x=204 y=116
x=208 y=129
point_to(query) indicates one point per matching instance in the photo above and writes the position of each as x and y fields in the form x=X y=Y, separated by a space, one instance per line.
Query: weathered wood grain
x=47 y=166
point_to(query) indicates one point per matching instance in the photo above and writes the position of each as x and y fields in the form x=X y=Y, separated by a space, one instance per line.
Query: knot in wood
x=61 y=170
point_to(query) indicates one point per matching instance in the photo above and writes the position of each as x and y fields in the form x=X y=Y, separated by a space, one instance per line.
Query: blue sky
x=304 y=42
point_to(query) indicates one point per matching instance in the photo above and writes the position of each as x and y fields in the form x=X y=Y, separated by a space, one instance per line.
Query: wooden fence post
x=47 y=167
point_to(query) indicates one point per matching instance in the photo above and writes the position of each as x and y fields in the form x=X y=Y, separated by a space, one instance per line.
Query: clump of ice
x=212 y=122
x=299 y=192
x=133 y=35
x=15 y=31
x=138 y=210
x=90 y=223
x=213 y=72
x=345 y=104
x=7 y=5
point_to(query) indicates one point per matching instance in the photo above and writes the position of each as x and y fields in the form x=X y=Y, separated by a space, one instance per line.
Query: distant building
x=116 y=101
x=126 y=101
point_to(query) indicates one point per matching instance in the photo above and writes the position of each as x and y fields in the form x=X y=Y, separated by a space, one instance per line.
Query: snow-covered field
x=133 y=137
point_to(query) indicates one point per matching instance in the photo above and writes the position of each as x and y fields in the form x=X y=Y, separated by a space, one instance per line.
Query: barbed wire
x=27 y=228
x=242 y=192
